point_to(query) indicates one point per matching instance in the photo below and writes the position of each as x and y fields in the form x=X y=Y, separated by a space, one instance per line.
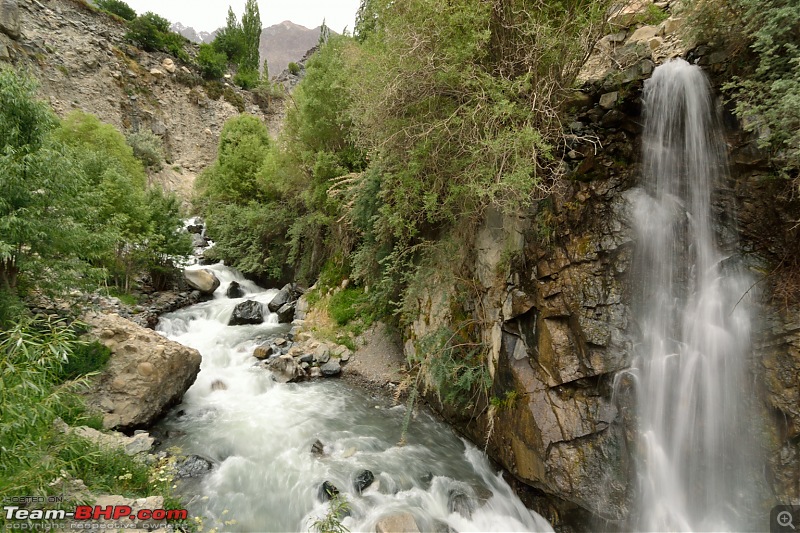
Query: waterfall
x=691 y=307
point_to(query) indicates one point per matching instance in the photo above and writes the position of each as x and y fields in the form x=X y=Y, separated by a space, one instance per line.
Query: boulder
x=286 y=313
x=192 y=466
x=169 y=65
x=286 y=370
x=397 y=523
x=203 y=280
x=146 y=374
x=9 y=18
x=318 y=449
x=331 y=368
x=283 y=297
x=458 y=501
x=195 y=229
x=301 y=308
x=5 y=55
x=264 y=351
x=363 y=480
x=245 y=313
x=234 y=290
x=139 y=443
x=327 y=491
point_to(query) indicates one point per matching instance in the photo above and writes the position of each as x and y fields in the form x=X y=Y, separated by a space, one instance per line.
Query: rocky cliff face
x=83 y=62
x=554 y=301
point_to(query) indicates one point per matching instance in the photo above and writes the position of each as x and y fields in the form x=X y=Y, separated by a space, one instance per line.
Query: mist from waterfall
x=694 y=451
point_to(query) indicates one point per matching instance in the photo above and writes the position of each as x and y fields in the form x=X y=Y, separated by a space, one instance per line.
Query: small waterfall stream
x=260 y=433
x=693 y=316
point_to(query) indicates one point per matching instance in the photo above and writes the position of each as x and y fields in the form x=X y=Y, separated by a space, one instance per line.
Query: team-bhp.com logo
x=97 y=512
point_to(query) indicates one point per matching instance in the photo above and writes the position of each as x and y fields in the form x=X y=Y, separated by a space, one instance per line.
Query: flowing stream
x=695 y=454
x=260 y=434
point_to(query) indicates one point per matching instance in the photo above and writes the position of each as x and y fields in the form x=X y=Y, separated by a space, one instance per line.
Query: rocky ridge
x=83 y=62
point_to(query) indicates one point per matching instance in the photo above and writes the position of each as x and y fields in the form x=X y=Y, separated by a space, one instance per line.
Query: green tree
x=148 y=31
x=37 y=183
x=251 y=30
x=230 y=39
x=213 y=63
x=117 y=7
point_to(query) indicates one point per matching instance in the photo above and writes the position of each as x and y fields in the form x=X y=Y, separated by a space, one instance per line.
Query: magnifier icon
x=785 y=519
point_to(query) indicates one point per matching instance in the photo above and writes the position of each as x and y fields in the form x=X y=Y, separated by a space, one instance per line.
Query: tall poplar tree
x=251 y=28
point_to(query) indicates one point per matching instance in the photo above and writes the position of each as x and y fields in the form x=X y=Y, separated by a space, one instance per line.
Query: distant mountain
x=284 y=43
x=191 y=34
x=280 y=44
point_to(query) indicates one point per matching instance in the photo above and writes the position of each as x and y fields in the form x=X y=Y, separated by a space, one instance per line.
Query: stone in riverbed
x=327 y=491
x=234 y=290
x=283 y=297
x=192 y=466
x=286 y=370
x=286 y=313
x=201 y=279
x=458 y=501
x=397 y=523
x=331 y=368
x=245 y=313
x=363 y=480
x=317 y=449
x=264 y=351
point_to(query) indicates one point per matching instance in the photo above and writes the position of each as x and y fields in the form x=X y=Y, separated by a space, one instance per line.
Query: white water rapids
x=260 y=435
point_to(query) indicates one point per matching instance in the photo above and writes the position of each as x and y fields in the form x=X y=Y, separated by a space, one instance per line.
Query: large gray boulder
x=145 y=375
x=286 y=313
x=203 y=280
x=9 y=18
x=249 y=312
x=283 y=297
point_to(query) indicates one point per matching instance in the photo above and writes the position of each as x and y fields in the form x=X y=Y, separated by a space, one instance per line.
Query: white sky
x=208 y=15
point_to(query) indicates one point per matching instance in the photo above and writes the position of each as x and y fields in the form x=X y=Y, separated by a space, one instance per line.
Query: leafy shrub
x=147 y=148
x=246 y=78
x=148 y=31
x=346 y=305
x=214 y=89
x=294 y=68
x=84 y=359
x=233 y=98
x=117 y=7
x=174 y=43
x=212 y=64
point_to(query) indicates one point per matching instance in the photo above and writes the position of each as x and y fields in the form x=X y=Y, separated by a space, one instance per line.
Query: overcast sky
x=208 y=15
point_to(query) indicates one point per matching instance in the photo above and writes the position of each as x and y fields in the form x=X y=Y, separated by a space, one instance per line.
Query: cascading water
x=260 y=434
x=692 y=310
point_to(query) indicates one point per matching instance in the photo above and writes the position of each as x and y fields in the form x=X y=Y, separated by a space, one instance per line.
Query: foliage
x=117 y=7
x=147 y=148
x=84 y=359
x=151 y=32
x=213 y=64
x=345 y=305
x=453 y=365
x=236 y=100
x=338 y=509
x=246 y=78
x=230 y=39
x=768 y=98
x=38 y=221
x=148 y=31
x=294 y=68
x=251 y=32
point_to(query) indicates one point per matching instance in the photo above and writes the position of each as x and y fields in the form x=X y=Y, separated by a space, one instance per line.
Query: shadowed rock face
x=145 y=375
